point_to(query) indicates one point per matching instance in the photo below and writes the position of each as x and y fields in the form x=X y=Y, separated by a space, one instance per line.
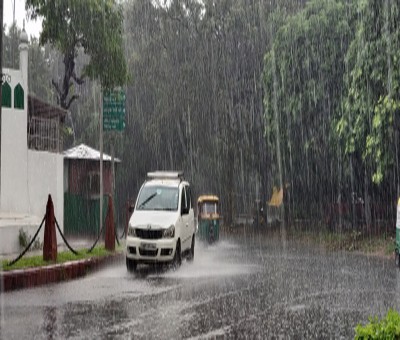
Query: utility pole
x=1 y=47
x=1 y=68
x=101 y=159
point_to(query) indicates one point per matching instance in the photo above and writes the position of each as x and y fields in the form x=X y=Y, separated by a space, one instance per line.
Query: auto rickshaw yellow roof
x=207 y=198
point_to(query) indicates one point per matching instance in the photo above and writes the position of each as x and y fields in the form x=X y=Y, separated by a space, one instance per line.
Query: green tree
x=303 y=74
x=196 y=96
x=39 y=68
x=92 y=25
x=39 y=71
x=10 y=46
x=369 y=125
x=371 y=119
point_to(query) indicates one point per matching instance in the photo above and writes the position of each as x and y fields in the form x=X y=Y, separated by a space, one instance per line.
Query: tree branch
x=74 y=97
x=78 y=80
x=58 y=91
x=56 y=86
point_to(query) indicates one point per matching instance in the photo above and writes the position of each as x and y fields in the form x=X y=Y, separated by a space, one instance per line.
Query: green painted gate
x=81 y=215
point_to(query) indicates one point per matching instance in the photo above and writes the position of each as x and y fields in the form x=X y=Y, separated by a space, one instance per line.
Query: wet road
x=245 y=287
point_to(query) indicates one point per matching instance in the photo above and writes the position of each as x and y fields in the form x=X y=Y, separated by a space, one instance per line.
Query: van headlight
x=170 y=232
x=131 y=231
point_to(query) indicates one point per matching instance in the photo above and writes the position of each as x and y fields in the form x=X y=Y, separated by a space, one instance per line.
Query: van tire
x=131 y=265
x=191 y=250
x=176 y=262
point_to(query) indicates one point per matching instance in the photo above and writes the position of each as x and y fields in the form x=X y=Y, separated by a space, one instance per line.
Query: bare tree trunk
x=367 y=202
x=353 y=206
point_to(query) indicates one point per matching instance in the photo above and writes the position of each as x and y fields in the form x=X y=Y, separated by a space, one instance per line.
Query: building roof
x=39 y=108
x=85 y=152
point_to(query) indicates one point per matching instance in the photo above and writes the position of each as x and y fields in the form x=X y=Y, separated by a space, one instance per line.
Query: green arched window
x=6 y=95
x=18 y=97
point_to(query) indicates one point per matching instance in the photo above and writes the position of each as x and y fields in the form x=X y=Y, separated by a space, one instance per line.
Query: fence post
x=50 y=239
x=110 y=229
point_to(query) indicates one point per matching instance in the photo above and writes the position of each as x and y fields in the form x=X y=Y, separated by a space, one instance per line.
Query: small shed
x=82 y=189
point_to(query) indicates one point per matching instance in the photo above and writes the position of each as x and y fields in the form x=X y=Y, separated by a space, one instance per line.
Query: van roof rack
x=165 y=175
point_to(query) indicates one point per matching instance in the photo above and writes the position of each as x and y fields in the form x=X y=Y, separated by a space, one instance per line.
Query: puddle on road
x=212 y=261
x=217 y=260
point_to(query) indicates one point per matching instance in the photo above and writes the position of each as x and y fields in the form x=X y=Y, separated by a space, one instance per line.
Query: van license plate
x=148 y=246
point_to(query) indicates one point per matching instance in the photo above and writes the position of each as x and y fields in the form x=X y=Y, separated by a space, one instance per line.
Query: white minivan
x=162 y=226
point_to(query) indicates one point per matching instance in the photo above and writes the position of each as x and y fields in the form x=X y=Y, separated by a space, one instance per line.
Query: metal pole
x=1 y=70
x=112 y=168
x=113 y=173
x=14 y=33
x=101 y=160
x=1 y=103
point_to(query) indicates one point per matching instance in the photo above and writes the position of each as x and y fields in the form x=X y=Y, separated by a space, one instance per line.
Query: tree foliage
x=303 y=75
x=39 y=62
x=92 y=25
x=371 y=106
x=196 y=94
x=10 y=47
x=244 y=95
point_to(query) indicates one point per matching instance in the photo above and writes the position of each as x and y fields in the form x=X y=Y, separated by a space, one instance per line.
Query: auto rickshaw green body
x=208 y=219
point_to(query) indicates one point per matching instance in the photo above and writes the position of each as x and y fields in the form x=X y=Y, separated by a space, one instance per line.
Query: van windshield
x=157 y=197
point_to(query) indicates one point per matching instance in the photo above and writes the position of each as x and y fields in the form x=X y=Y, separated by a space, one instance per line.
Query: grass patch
x=349 y=241
x=62 y=257
x=382 y=244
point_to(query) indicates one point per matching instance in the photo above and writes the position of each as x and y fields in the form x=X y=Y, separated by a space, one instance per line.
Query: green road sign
x=113 y=123
x=114 y=110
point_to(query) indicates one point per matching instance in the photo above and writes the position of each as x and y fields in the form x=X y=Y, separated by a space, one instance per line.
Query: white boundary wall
x=14 y=153
x=27 y=176
x=45 y=176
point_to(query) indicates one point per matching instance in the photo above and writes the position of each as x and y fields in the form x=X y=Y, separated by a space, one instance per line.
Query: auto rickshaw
x=208 y=218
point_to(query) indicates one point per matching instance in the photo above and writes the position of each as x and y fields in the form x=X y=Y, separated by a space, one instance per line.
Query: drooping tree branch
x=57 y=88
x=78 y=80
x=71 y=100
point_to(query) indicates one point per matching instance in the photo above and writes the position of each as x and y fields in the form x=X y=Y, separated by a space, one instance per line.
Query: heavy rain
x=279 y=120
x=241 y=288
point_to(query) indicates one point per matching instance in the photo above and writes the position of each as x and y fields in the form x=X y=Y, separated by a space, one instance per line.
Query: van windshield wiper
x=147 y=200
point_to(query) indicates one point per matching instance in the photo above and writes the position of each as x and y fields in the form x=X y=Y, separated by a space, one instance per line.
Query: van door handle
x=187 y=225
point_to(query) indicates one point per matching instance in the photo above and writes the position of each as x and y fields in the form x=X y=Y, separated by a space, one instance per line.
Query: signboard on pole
x=114 y=110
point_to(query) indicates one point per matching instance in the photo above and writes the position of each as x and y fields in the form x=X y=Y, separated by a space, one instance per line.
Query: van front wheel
x=131 y=265
x=176 y=262
x=191 y=250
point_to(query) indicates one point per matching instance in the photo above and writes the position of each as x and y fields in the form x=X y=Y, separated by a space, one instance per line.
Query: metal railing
x=44 y=135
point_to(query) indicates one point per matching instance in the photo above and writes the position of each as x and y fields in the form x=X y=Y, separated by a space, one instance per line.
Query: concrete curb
x=32 y=277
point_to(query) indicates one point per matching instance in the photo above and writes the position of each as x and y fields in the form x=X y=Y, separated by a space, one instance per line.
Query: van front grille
x=148 y=234
x=147 y=252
